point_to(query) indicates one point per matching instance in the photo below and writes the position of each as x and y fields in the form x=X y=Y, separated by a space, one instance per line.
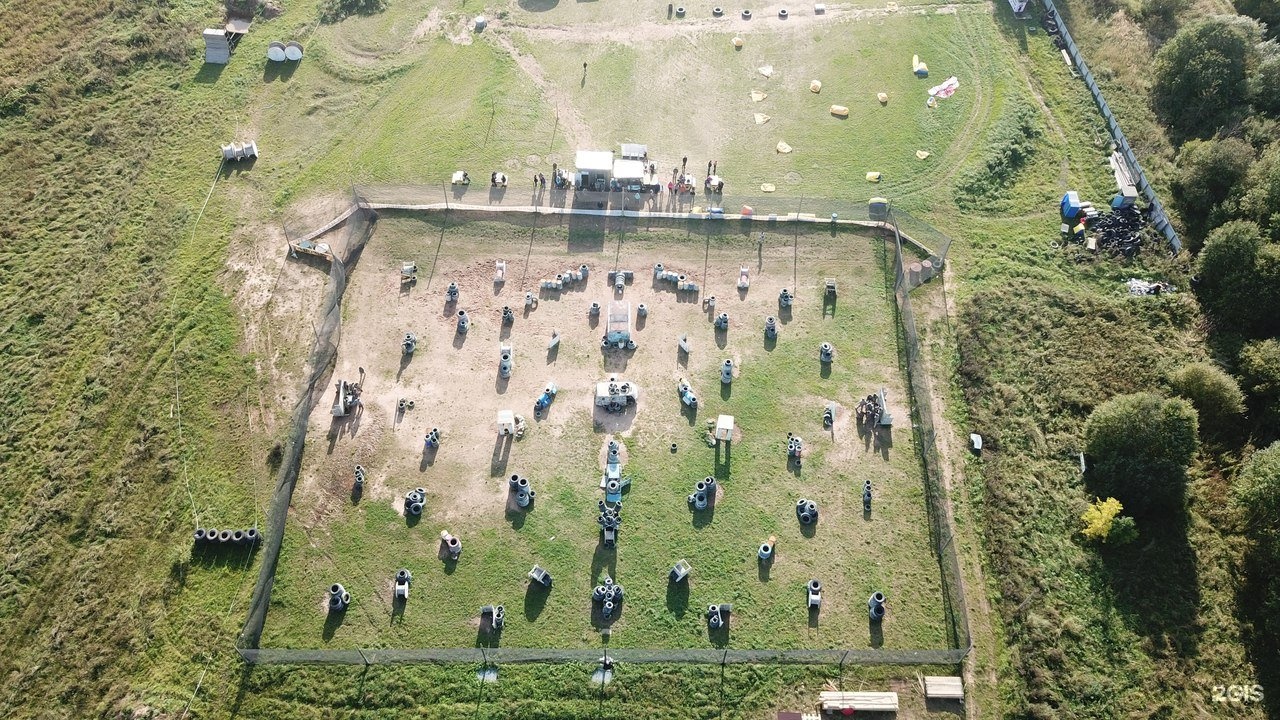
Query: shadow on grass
x=724 y=460
x=281 y=71
x=677 y=597
x=1155 y=584
x=535 y=600
x=515 y=514
x=1013 y=28
x=209 y=73
x=603 y=562
x=1262 y=621
x=332 y=621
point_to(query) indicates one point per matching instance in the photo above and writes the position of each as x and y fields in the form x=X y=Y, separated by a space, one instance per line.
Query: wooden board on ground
x=943 y=687
x=865 y=701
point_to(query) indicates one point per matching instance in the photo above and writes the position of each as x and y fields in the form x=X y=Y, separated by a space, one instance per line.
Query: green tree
x=1208 y=183
x=1257 y=493
x=1200 y=76
x=1214 y=394
x=1266 y=11
x=1260 y=376
x=1240 y=275
x=1139 y=447
x=1261 y=201
x=1264 y=84
x=332 y=11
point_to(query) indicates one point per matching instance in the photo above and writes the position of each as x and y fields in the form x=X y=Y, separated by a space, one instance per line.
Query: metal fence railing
x=925 y=259
x=1158 y=217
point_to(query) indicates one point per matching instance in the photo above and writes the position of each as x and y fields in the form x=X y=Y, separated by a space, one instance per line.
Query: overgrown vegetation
x=332 y=11
x=1012 y=142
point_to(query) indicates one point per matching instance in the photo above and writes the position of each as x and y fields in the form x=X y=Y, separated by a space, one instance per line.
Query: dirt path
x=980 y=625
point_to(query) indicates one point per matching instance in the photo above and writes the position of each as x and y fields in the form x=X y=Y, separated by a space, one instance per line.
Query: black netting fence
x=919 y=255
x=907 y=277
x=518 y=656
x=345 y=249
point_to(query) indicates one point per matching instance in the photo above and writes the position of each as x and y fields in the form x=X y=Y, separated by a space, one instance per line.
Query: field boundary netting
x=926 y=259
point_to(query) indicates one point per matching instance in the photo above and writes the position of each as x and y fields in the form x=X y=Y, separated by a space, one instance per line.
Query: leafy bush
x=1214 y=394
x=1267 y=11
x=332 y=11
x=1240 y=273
x=1140 y=446
x=1206 y=189
x=1260 y=374
x=1257 y=494
x=1261 y=202
x=1199 y=77
x=1263 y=83
x=1102 y=521
x=1013 y=141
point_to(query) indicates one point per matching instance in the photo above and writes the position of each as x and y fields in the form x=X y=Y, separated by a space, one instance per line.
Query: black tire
x=746 y=14
x=251 y=535
x=237 y=536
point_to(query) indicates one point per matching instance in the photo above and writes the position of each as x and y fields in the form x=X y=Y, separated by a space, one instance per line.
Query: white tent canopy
x=627 y=169
x=594 y=160
x=634 y=151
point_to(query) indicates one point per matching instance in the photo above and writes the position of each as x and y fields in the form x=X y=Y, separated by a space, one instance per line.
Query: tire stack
x=807 y=511
x=609 y=595
x=414 y=501
x=215 y=538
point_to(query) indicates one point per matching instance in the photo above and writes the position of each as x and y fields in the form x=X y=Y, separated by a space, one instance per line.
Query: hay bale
x=840 y=111
x=783 y=147
x=815 y=86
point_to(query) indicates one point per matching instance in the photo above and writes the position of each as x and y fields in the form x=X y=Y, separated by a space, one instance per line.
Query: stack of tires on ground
x=213 y=537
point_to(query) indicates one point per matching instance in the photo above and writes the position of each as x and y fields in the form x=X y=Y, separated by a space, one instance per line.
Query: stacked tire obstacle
x=213 y=537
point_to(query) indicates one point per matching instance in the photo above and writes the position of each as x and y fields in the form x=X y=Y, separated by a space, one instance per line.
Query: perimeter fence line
x=360 y=217
x=1158 y=216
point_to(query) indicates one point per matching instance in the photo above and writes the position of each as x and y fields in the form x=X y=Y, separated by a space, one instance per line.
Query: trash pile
x=1148 y=287
x=1120 y=231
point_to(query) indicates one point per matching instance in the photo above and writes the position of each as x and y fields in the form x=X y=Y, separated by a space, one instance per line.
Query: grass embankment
x=108 y=313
